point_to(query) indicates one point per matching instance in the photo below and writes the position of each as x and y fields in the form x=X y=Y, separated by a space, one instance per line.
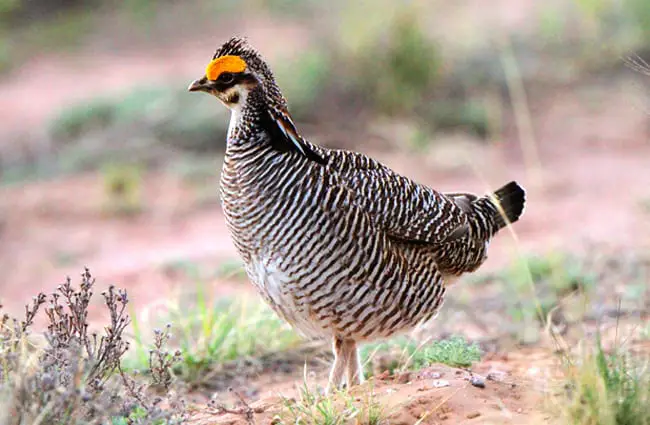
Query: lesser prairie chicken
x=338 y=244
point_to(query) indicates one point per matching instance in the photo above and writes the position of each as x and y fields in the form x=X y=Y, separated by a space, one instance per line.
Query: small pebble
x=431 y=375
x=477 y=381
x=440 y=383
x=496 y=375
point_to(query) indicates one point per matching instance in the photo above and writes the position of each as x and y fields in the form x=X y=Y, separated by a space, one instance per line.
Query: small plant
x=304 y=81
x=455 y=352
x=540 y=282
x=73 y=375
x=411 y=64
x=78 y=119
x=471 y=116
x=402 y=353
x=338 y=408
x=123 y=188
x=608 y=389
x=212 y=334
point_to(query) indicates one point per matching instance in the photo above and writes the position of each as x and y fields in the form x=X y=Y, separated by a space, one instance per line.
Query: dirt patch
x=510 y=394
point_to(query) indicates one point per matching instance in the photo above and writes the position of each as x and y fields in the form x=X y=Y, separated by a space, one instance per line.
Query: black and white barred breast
x=316 y=255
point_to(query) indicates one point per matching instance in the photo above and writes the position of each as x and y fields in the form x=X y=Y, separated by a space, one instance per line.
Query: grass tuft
x=213 y=333
x=608 y=389
x=338 y=408
x=402 y=353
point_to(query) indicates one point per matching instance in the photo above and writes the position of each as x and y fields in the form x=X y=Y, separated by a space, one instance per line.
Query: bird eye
x=226 y=78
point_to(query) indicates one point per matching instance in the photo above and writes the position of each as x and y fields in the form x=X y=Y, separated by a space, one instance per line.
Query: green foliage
x=122 y=188
x=639 y=11
x=401 y=69
x=454 y=352
x=7 y=7
x=212 y=334
x=538 y=283
x=559 y=271
x=403 y=353
x=608 y=389
x=471 y=116
x=173 y=117
x=552 y=23
x=6 y=57
x=284 y=8
x=61 y=31
x=338 y=408
x=304 y=80
x=76 y=120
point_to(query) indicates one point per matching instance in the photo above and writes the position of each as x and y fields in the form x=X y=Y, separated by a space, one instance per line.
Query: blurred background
x=107 y=161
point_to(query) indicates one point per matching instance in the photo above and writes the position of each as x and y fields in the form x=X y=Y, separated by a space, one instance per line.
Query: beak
x=201 y=84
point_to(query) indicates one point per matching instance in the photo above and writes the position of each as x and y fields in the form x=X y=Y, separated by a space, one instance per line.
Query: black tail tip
x=512 y=198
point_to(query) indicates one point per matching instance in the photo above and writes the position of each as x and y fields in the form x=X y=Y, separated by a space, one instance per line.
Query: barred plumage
x=338 y=244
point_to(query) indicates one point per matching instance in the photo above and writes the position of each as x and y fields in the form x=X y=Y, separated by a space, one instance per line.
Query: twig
x=246 y=411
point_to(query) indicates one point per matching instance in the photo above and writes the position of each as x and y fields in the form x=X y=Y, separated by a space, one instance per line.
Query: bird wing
x=404 y=209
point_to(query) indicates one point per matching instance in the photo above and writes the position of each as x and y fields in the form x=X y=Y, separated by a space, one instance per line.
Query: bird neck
x=264 y=121
x=245 y=116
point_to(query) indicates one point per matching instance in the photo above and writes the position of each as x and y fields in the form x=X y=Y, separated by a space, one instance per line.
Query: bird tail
x=509 y=202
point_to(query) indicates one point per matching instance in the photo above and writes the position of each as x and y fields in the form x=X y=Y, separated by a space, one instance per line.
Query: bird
x=338 y=244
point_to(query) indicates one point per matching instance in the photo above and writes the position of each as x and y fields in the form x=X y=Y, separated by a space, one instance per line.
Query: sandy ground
x=512 y=394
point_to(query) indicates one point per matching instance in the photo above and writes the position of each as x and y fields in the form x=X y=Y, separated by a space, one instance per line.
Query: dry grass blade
x=637 y=63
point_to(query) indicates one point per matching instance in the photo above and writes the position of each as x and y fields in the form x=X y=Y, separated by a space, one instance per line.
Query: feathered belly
x=278 y=290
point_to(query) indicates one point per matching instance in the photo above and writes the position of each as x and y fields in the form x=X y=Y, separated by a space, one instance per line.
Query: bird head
x=238 y=76
x=235 y=71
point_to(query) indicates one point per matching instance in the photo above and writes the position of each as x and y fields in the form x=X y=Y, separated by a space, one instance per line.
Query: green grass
x=146 y=126
x=410 y=64
x=338 y=408
x=470 y=116
x=167 y=113
x=405 y=354
x=560 y=272
x=608 y=389
x=304 y=80
x=535 y=285
x=210 y=333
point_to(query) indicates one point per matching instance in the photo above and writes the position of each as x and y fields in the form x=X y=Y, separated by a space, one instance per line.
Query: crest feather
x=222 y=64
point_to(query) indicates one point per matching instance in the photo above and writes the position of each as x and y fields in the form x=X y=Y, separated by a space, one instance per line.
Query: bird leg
x=338 y=368
x=347 y=365
x=354 y=368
